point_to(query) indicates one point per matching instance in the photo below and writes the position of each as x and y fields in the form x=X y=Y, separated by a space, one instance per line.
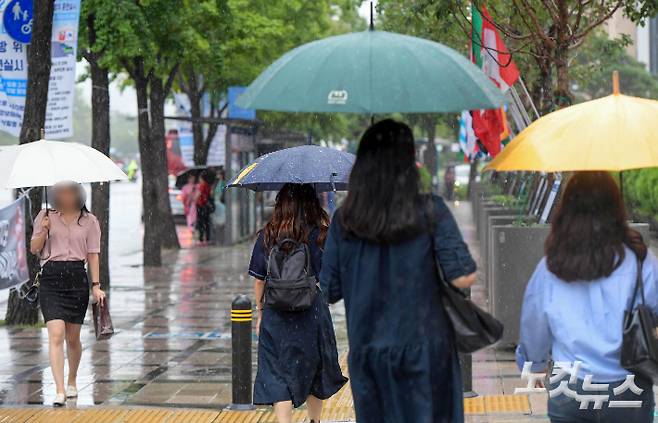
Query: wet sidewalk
x=172 y=346
x=171 y=358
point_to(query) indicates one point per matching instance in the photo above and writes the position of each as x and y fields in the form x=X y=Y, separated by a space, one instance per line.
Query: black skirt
x=64 y=291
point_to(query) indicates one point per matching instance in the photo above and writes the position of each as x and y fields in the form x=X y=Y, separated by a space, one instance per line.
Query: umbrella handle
x=331 y=181
x=45 y=194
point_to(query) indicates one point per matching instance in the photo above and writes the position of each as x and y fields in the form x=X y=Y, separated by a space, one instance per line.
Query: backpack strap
x=309 y=263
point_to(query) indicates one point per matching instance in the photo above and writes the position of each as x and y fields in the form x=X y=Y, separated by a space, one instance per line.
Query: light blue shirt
x=582 y=321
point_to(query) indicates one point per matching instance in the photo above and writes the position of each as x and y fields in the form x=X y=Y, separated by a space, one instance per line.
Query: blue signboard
x=17 y=20
x=237 y=112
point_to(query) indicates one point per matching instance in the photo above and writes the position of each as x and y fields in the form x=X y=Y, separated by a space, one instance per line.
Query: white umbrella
x=45 y=163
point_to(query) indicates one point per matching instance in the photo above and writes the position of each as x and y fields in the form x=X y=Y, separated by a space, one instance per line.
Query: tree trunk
x=100 y=140
x=563 y=96
x=192 y=92
x=158 y=160
x=34 y=119
x=190 y=85
x=543 y=87
x=151 y=246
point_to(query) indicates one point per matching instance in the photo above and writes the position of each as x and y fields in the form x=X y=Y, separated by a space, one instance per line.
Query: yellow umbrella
x=614 y=133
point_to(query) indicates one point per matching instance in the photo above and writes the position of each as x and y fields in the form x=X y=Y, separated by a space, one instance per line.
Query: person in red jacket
x=203 y=207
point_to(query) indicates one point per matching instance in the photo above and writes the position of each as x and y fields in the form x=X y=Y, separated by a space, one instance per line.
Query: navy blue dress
x=297 y=354
x=403 y=361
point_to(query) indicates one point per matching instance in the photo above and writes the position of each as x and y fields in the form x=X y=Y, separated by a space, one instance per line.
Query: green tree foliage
x=149 y=40
x=202 y=71
x=641 y=192
x=262 y=31
x=595 y=62
x=543 y=35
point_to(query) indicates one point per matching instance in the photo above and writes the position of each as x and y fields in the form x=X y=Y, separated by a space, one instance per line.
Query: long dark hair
x=383 y=199
x=296 y=212
x=590 y=229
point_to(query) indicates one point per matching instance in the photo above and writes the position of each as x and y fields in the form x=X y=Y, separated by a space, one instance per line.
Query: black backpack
x=290 y=284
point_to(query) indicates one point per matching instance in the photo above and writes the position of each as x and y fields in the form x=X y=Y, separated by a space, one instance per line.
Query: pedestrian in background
x=65 y=238
x=380 y=258
x=297 y=356
x=188 y=194
x=203 y=198
x=574 y=304
x=449 y=183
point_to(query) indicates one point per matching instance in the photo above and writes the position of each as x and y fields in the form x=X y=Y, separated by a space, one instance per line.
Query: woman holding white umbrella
x=65 y=238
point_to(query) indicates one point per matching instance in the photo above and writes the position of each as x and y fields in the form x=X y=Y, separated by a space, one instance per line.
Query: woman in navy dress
x=379 y=258
x=297 y=356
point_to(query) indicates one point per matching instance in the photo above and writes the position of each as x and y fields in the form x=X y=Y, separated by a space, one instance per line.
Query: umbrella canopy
x=325 y=168
x=372 y=72
x=181 y=178
x=45 y=163
x=613 y=133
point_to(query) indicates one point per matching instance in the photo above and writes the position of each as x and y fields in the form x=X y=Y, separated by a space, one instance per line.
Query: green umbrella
x=372 y=72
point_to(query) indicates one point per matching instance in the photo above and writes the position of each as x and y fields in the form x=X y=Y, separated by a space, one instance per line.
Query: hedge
x=641 y=191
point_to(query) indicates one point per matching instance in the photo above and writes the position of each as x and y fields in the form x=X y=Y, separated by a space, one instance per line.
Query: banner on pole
x=13 y=259
x=13 y=70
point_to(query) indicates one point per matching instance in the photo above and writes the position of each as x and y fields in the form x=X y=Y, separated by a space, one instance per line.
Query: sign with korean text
x=13 y=66
x=13 y=259
x=566 y=380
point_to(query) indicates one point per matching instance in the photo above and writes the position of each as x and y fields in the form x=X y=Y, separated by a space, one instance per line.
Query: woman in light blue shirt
x=574 y=306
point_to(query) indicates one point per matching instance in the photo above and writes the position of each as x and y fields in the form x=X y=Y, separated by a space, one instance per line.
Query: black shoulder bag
x=474 y=328
x=639 y=347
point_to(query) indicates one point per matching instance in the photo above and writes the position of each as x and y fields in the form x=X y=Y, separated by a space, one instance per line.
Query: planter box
x=487 y=211
x=514 y=253
x=510 y=220
x=478 y=193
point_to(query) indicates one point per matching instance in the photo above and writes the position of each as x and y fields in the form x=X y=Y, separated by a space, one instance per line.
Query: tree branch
x=489 y=50
x=596 y=23
x=537 y=26
x=506 y=31
x=170 y=79
x=552 y=10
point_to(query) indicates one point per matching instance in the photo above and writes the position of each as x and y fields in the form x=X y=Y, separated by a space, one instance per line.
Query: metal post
x=466 y=364
x=241 y=353
x=228 y=195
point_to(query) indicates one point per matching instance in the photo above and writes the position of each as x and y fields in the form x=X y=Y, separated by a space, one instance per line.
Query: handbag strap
x=639 y=284
x=47 y=241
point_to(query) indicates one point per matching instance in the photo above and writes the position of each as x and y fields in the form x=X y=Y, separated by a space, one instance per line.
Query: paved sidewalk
x=171 y=360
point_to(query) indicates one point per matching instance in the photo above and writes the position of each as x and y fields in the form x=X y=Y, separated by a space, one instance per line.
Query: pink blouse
x=68 y=241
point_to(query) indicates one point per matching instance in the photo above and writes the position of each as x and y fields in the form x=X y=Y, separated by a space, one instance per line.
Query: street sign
x=17 y=20
x=235 y=111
